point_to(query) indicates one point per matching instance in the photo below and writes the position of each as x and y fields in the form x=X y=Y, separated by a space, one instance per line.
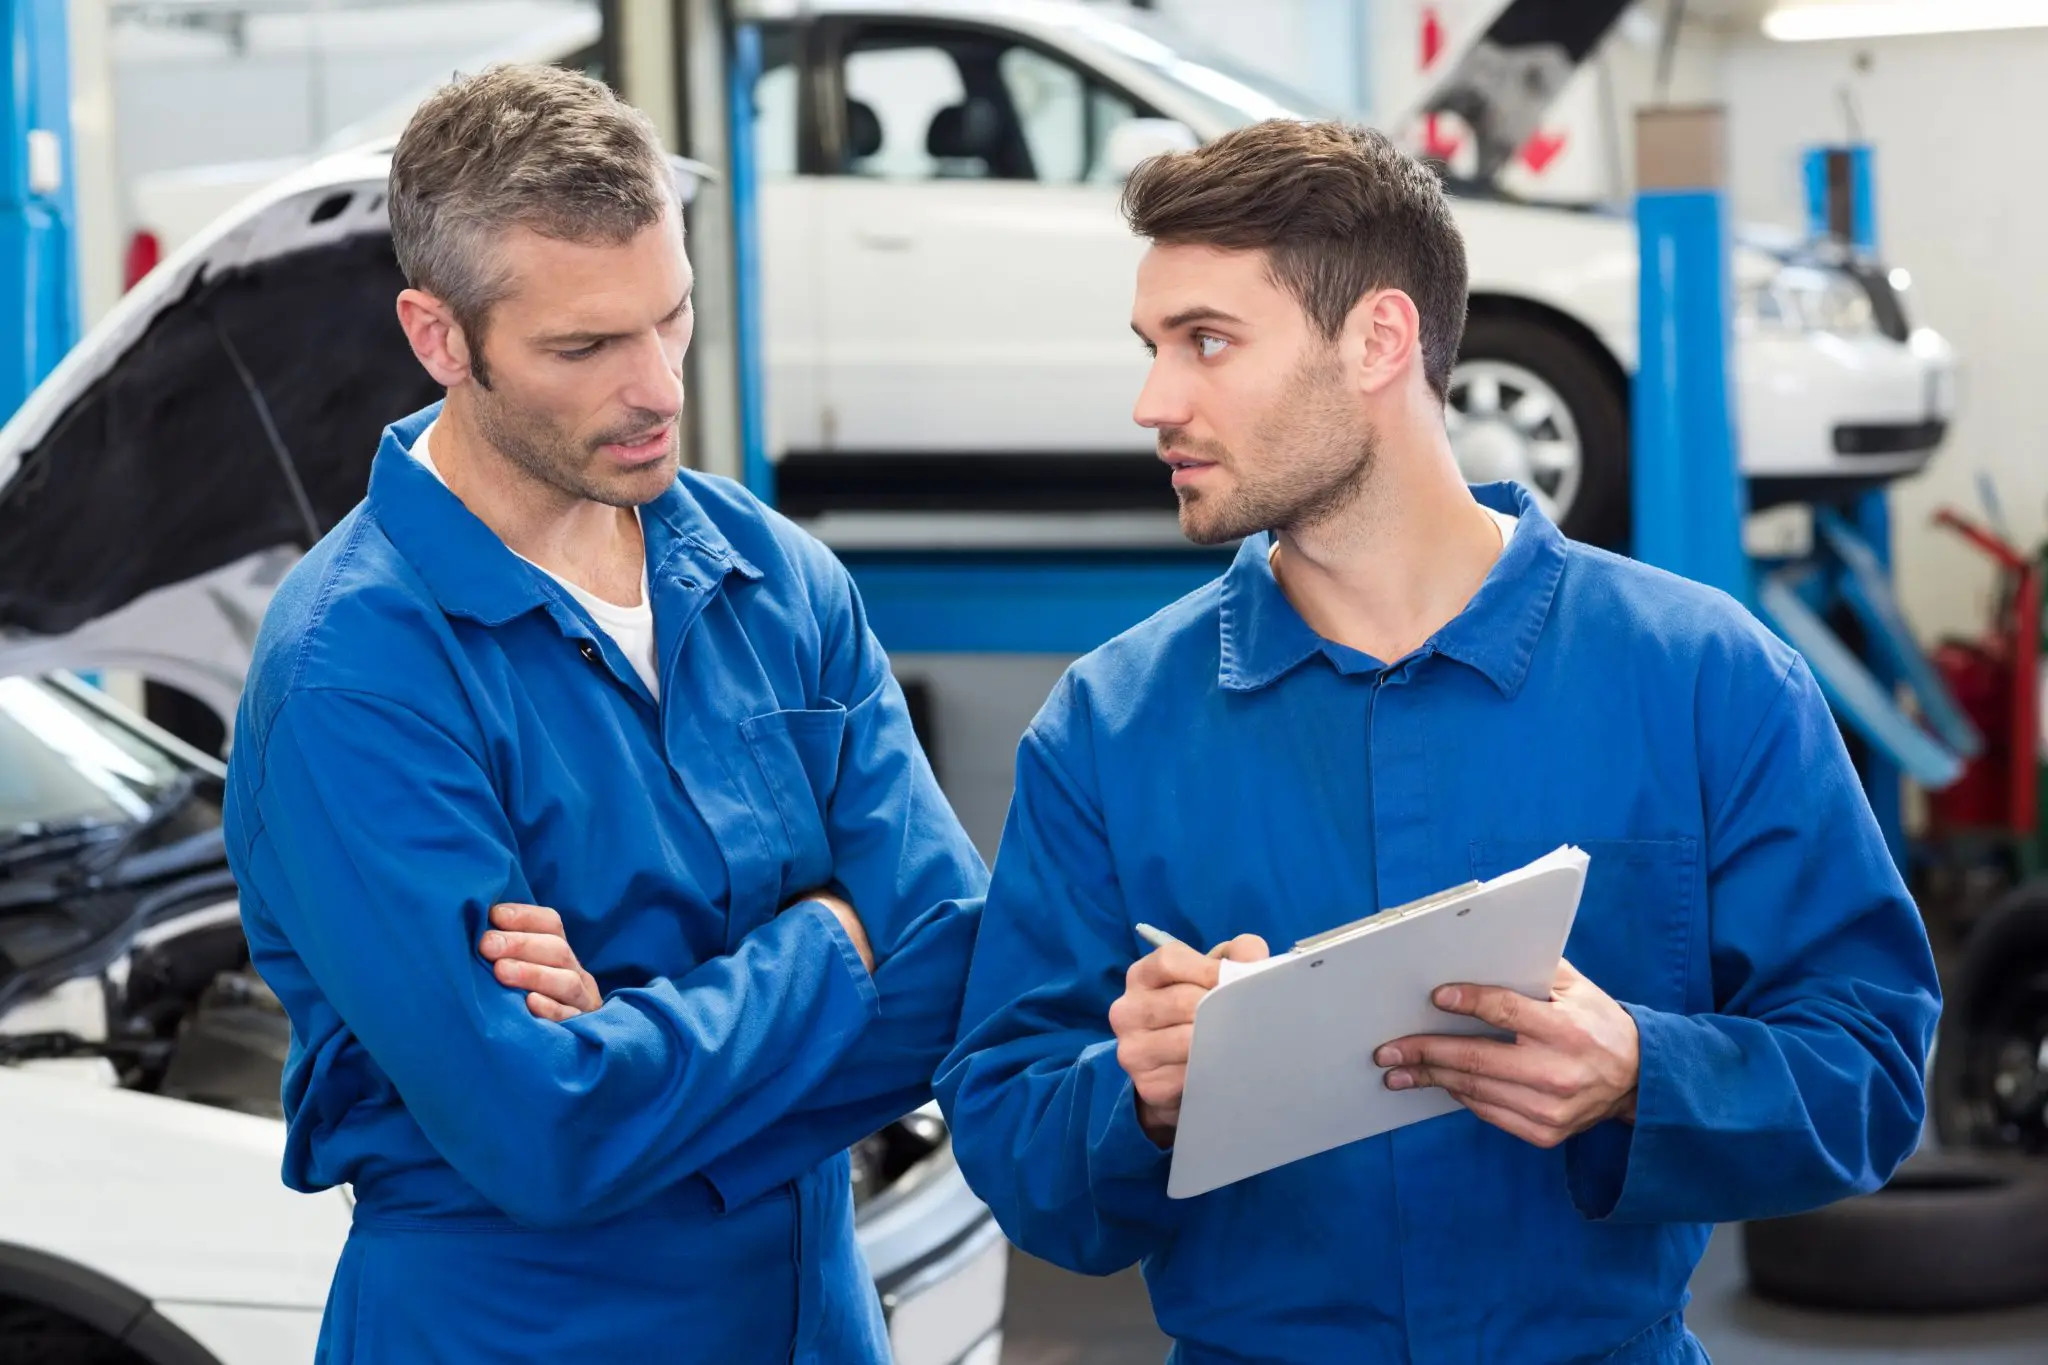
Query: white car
x=947 y=282
x=151 y=494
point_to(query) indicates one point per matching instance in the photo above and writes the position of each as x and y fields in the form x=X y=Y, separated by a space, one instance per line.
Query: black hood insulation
x=163 y=470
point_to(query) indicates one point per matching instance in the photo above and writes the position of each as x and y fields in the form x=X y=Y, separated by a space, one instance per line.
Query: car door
x=791 y=265
x=977 y=276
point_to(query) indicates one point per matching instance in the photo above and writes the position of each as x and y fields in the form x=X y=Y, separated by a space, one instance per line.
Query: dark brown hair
x=525 y=145
x=1338 y=210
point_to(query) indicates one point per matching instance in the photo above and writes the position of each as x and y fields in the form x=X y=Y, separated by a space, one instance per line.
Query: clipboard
x=1280 y=1066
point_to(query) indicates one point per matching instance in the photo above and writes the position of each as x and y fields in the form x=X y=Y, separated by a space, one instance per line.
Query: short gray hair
x=517 y=145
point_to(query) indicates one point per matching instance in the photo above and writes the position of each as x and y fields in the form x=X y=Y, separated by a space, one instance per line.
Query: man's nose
x=657 y=382
x=1162 y=402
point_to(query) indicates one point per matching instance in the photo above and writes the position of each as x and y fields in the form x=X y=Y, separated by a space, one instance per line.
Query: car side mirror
x=1135 y=140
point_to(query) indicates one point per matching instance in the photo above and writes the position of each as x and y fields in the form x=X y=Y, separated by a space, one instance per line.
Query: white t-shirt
x=1505 y=522
x=631 y=628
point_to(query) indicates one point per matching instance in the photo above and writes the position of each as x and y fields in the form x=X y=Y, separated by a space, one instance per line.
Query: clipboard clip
x=1436 y=898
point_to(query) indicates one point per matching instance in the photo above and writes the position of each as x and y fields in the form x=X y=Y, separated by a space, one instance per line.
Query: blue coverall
x=432 y=726
x=1221 y=769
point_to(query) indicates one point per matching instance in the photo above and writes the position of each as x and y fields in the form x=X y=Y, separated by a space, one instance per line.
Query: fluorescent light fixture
x=1814 y=21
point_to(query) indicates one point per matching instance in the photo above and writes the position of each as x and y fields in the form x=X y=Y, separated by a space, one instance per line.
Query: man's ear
x=1384 y=332
x=437 y=339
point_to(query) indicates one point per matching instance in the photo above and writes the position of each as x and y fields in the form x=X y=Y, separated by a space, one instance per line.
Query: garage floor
x=1061 y=1319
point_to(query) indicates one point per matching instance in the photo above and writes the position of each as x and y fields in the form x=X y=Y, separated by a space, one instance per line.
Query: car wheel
x=1533 y=404
x=1951 y=1232
x=30 y=1335
x=1990 y=1083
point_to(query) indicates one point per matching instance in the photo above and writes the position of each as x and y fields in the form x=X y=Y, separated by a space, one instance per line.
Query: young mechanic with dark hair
x=1403 y=683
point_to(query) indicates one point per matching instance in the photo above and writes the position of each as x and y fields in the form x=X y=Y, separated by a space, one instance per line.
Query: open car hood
x=159 y=482
x=1501 y=78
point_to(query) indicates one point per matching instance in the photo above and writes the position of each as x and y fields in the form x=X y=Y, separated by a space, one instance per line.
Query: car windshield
x=1233 y=94
x=65 y=763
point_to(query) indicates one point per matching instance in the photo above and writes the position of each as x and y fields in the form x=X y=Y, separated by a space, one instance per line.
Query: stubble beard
x=1316 y=458
x=539 y=449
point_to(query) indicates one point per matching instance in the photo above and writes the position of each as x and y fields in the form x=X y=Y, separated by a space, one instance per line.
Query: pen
x=1158 y=938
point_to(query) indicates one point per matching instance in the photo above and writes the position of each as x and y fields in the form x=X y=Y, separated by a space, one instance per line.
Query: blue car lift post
x=1689 y=499
x=39 y=283
x=38 y=237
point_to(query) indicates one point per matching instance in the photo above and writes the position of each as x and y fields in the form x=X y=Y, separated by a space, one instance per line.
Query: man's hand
x=1154 y=1023
x=1573 y=1062
x=530 y=950
x=848 y=920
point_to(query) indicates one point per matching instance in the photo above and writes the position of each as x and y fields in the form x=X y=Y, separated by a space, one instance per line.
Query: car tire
x=1951 y=1232
x=1989 y=1087
x=1593 y=391
x=30 y=1335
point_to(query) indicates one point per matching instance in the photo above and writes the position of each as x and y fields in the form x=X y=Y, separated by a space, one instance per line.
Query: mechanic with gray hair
x=542 y=689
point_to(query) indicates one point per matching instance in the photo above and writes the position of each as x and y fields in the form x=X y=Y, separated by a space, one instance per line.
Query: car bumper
x=1815 y=408
x=940 y=1262
x=941 y=1265
x=950 y=1312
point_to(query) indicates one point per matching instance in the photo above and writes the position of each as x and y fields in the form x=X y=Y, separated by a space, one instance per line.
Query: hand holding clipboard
x=1281 y=1062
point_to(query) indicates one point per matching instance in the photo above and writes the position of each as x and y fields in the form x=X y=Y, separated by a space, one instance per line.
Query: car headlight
x=1802 y=298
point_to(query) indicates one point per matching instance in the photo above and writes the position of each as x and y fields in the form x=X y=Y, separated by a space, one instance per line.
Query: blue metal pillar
x=756 y=471
x=1841 y=202
x=38 y=237
x=1881 y=776
x=1689 y=500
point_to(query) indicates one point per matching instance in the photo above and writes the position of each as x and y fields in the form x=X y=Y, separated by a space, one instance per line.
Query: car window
x=1051 y=101
x=961 y=104
x=1106 y=109
x=894 y=95
x=1065 y=118
x=61 y=761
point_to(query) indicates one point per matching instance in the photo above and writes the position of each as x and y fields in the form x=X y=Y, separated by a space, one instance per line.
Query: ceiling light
x=1812 y=22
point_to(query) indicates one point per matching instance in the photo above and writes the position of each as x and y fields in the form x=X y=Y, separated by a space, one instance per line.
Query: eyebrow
x=1199 y=313
x=578 y=340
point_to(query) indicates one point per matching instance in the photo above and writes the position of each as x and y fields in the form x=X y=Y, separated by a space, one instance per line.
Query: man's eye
x=1210 y=346
x=581 y=352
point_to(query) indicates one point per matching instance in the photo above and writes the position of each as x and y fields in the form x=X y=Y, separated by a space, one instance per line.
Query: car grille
x=1888 y=438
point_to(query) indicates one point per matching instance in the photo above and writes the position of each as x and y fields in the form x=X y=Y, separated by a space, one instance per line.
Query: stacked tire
x=1952 y=1232
x=1963 y=1225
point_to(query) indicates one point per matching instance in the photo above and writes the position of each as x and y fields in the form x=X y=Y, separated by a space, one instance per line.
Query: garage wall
x=193 y=96
x=1960 y=203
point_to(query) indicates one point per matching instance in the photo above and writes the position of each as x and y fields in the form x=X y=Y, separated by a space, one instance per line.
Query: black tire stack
x=1963 y=1225
x=1952 y=1232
